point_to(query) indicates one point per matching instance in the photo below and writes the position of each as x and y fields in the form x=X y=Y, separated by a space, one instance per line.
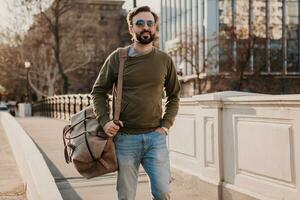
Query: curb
x=33 y=169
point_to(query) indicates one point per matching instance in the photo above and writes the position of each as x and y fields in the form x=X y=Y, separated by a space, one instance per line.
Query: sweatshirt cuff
x=166 y=124
x=103 y=120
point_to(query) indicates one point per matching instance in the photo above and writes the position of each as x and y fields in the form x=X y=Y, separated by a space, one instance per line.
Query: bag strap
x=117 y=106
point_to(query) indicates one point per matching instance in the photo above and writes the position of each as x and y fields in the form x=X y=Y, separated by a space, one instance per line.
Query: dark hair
x=137 y=10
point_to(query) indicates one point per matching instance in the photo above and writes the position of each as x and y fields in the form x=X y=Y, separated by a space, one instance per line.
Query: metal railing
x=61 y=106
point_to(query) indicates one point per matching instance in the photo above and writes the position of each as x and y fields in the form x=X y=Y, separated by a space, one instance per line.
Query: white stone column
x=24 y=109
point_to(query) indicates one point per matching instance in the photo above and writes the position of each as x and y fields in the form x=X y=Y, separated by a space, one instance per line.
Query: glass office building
x=220 y=36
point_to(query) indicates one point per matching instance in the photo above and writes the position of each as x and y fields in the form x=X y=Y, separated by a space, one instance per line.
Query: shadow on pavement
x=58 y=177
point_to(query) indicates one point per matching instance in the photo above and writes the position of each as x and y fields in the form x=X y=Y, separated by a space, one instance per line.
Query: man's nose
x=146 y=28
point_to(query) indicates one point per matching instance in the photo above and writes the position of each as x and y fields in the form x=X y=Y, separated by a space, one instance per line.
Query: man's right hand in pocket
x=111 y=129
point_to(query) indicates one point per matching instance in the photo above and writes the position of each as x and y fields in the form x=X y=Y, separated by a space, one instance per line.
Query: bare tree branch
x=35 y=88
x=51 y=25
x=75 y=67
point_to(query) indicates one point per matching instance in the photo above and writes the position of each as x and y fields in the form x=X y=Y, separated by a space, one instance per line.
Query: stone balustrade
x=62 y=106
x=245 y=145
x=240 y=145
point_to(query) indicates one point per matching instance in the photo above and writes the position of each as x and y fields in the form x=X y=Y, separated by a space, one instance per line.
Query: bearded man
x=140 y=138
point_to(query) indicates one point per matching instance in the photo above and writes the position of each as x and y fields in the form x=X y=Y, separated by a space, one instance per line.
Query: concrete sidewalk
x=11 y=184
x=47 y=135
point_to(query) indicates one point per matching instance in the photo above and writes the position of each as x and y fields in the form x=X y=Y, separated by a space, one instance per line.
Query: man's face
x=143 y=27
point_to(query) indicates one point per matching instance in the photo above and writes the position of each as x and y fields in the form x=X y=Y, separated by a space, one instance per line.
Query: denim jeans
x=151 y=151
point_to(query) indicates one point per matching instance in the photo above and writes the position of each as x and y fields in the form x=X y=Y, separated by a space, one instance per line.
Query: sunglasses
x=142 y=23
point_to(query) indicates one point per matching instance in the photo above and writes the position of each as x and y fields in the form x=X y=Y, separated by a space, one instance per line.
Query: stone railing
x=244 y=145
x=62 y=106
x=33 y=169
x=239 y=145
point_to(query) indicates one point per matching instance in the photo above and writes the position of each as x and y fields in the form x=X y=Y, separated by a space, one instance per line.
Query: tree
x=65 y=42
x=12 y=71
x=74 y=44
x=52 y=18
x=41 y=51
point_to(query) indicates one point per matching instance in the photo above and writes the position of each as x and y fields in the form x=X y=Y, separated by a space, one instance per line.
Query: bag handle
x=117 y=106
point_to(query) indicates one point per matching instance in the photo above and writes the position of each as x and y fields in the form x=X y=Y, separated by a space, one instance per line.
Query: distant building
x=212 y=36
x=102 y=27
x=89 y=30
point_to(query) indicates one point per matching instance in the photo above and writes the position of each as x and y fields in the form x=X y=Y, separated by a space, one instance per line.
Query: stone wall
x=244 y=145
x=100 y=28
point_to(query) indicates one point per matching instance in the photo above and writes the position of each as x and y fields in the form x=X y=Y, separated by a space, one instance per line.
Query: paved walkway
x=11 y=185
x=47 y=134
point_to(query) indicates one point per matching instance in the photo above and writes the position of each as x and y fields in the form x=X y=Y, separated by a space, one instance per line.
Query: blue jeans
x=151 y=151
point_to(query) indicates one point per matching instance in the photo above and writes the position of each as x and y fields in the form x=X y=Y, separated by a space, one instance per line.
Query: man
x=141 y=137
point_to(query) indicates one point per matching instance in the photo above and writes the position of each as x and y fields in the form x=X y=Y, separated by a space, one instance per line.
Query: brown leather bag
x=90 y=149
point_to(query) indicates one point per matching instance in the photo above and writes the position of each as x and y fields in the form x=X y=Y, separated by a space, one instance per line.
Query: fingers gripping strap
x=122 y=58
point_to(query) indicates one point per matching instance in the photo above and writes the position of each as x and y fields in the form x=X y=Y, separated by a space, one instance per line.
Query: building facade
x=89 y=30
x=100 y=27
x=213 y=37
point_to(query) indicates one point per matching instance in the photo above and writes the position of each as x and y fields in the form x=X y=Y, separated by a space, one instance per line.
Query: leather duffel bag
x=91 y=151
x=86 y=145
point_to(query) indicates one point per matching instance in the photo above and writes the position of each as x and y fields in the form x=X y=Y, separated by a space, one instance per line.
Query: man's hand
x=111 y=129
x=161 y=131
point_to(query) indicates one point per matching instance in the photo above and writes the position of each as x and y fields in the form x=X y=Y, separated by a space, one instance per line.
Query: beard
x=145 y=39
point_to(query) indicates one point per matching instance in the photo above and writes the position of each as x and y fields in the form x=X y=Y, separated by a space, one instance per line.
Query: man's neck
x=142 y=48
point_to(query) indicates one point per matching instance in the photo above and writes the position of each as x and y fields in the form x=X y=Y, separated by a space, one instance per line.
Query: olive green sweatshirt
x=145 y=79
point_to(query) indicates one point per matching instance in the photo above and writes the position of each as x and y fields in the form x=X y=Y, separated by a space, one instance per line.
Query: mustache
x=145 y=31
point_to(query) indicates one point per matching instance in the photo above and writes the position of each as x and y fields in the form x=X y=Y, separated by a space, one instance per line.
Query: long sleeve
x=172 y=88
x=102 y=86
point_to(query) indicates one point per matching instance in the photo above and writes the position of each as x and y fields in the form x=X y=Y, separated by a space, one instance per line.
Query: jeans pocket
x=162 y=134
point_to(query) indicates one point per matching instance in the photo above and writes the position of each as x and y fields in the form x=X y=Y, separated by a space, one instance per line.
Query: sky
x=14 y=17
x=4 y=13
x=154 y=4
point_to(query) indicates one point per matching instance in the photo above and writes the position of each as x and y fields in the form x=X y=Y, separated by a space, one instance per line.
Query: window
x=259 y=35
x=292 y=35
x=226 y=44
